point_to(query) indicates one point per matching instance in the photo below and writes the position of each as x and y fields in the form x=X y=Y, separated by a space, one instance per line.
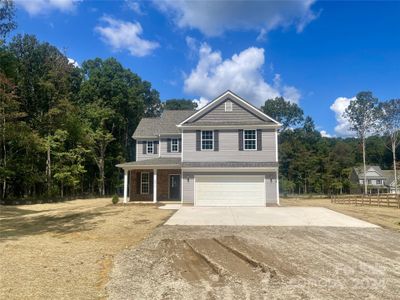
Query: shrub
x=115 y=199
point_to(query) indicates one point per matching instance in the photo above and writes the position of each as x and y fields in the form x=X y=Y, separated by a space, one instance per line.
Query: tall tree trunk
x=4 y=154
x=394 y=165
x=48 y=168
x=101 y=170
x=365 y=167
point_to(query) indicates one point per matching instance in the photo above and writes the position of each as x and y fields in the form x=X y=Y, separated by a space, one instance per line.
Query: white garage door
x=229 y=190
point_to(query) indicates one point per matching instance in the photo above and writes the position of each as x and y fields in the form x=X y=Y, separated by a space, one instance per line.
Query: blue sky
x=317 y=54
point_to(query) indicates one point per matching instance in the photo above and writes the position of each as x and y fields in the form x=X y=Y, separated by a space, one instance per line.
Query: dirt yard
x=236 y=262
x=65 y=250
x=387 y=217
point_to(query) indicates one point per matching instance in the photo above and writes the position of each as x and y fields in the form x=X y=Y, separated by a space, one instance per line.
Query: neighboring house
x=389 y=182
x=225 y=154
x=378 y=180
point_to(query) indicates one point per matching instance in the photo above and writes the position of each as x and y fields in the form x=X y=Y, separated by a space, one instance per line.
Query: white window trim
x=244 y=139
x=148 y=183
x=228 y=108
x=177 y=145
x=201 y=141
x=152 y=147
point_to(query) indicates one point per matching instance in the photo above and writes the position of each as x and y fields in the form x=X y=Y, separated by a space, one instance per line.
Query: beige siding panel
x=228 y=148
x=218 y=115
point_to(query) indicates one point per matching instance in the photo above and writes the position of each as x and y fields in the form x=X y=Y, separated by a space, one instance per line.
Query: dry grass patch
x=66 y=250
x=386 y=217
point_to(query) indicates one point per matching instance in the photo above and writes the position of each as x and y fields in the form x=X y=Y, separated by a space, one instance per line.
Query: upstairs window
x=174 y=145
x=150 y=147
x=207 y=140
x=228 y=106
x=249 y=140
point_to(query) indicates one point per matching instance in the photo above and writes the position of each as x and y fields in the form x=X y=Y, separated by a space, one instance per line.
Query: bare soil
x=387 y=217
x=202 y=262
x=66 y=250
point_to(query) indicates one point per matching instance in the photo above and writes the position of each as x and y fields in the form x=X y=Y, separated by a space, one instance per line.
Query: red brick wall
x=162 y=185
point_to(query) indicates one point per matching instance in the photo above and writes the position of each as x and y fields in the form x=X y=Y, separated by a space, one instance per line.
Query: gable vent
x=228 y=106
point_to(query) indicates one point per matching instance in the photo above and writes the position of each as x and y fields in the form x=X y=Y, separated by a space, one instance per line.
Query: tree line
x=64 y=128
x=310 y=163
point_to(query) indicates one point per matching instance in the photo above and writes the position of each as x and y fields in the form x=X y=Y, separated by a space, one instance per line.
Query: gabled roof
x=165 y=124
x=360 y=172
x=389 y=174
x=238 y=100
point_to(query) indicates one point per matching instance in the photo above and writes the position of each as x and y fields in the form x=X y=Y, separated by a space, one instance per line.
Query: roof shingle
x=165 y=124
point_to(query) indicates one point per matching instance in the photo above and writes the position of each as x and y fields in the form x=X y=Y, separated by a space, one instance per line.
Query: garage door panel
x=230 y=190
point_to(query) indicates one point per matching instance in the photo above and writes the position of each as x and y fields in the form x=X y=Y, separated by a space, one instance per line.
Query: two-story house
x=225 y=154
x=378 y=180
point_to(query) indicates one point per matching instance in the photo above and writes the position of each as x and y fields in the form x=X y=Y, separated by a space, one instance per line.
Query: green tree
x=7 y=22
x=287 y=113
x=106 y=82
x=180 y=104
x=99 y=137
x=390 y=124
x=362 y=115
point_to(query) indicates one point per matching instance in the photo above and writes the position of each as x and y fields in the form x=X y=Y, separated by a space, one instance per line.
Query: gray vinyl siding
x=139 y=151
x=163 y=148
x=188 y=184
x=229 y=148
x=188 y=187
x=219 y=116
x=271 y=188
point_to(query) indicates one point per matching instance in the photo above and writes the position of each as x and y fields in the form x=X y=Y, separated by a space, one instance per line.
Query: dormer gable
x=229 y=110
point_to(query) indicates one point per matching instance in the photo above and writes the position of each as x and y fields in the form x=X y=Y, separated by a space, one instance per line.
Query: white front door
x=230 y=190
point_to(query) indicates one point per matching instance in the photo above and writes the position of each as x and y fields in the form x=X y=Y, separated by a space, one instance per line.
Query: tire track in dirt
x=227 y=264
x=263 y=258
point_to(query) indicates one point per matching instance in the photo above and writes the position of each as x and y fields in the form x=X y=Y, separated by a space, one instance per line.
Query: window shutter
x=155 y=145
x=259 y=139
x=180 y=145
x=168 y=145
x=151 y=183
x=144 y=147
x=216 y=140
x=138 y=181
x=198 y=140
x=240 y=139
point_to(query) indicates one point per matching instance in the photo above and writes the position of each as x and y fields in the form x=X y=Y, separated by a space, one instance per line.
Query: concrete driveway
x=264 y=216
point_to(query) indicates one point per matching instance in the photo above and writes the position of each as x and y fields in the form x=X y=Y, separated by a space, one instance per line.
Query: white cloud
x=339 y=106
x=214 y=17
x=73 y=62
x=37 y=7
x=135 y=6
x=201 y=102
x=325 y=134
x=125 y=35
x=242 y=73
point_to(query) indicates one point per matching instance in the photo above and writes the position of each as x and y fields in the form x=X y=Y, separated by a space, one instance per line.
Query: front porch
x=152 y=180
